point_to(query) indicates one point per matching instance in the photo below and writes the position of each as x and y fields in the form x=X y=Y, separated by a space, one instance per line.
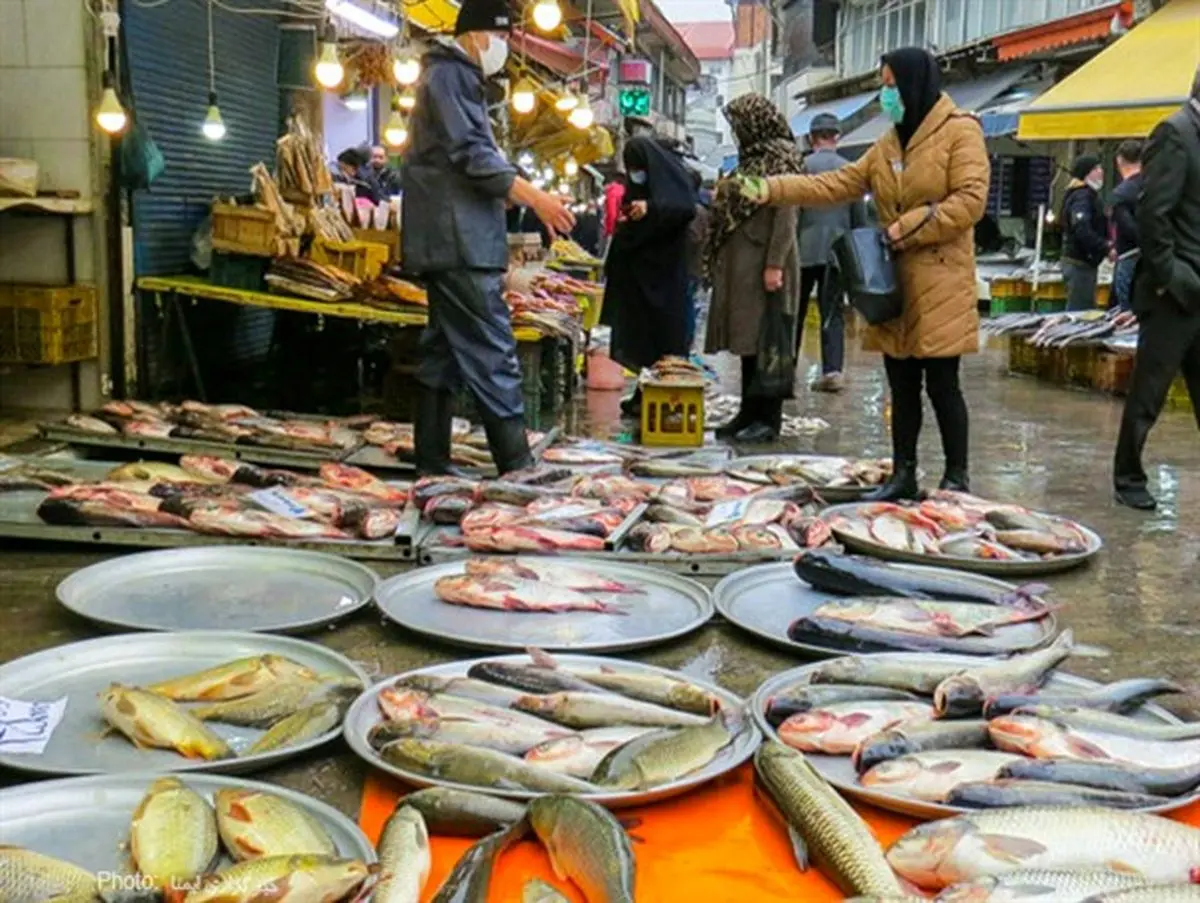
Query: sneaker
x=1136 y=497
x=829 y=382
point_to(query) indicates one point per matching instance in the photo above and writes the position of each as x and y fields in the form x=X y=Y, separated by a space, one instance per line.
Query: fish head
x=554 y=750
x=536 y=704
x=1024 y=733
x=404 y=705
x=887 y=746
x=806 y=724
x=958 y=695
x=890 y=772
x=920 y=855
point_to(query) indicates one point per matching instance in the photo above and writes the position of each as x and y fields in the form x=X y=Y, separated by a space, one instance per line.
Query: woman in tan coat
x=929 y=179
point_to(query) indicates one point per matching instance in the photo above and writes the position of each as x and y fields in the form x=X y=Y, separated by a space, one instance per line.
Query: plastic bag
x=775 y=371
x=869 y=273
x=141 y=160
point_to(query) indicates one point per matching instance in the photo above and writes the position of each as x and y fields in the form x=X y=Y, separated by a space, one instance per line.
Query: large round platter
x=765 y=599
x=79 y=671
x=670 y=606
x=364 y=714
x=828 y=493
x=839 y=772
x=85 y=820
x=219 y=587
x=1024 y=568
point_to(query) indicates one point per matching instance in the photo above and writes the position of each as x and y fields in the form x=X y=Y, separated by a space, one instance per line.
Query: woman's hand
x=893 y=232
x=773 y=279
x=753 y=188
x=637 y=210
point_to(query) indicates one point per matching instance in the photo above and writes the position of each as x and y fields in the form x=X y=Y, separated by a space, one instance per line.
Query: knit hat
x=1083 y=165
x=483 y=15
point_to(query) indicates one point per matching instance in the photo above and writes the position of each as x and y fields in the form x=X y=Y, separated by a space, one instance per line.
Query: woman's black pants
x=940 y=378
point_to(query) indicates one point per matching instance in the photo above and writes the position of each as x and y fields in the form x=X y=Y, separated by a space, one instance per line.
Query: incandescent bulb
x=329 y=69
x=547 y=15
x=566 y=103
x=110 y=115
x=548 y=174
x=407 y=100
x=582 y=116
x=214 y=125
x=395 y=132
x=571 y=168
x=524 y=96
x=406 y=70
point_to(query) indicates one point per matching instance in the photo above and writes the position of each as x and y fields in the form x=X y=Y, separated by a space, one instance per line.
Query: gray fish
x=464 y=813
x=587 y=844
x=584 y=710
x=404 y=858
x=472 y=874
x=965 y=693
x=1015 y=792
x=659 y=513
x=919 y=736
x=1038 y=886
x=917 y=674
x=665 y=757
x=462 y=687
x=1121 y=697
x=1107 y=774
x=1113 y=724
x=478 y=767
x=1157 y=893
x=508 y=738
x=806 y=697
x=530 y=678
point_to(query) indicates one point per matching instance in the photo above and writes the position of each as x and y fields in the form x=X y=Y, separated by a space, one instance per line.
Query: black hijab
x=671 y=200
x=919 y=79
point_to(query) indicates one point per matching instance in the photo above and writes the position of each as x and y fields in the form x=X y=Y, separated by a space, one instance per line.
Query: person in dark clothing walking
x=818 y=227
x=457 y=184
x=1124 y=214
x=587 y=229
x=1085 y=232
x=1166 y=291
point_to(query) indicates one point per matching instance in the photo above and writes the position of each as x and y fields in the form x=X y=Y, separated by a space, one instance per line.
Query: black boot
x=955 y=479
x=431 y=432
x=902 y=485
x=508 y=442
x=632 y=406
x=737 y=424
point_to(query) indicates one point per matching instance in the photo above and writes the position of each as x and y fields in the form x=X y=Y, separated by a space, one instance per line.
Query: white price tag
x=277 y=501
x=724 y=512
x=26 y=727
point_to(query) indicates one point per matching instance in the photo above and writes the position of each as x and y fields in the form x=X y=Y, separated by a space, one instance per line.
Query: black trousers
x=757 y=408
x=940 y=378
x=1168 y=342
x=827 y=281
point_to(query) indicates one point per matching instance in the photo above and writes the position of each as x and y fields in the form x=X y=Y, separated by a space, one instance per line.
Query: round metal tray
x=79 y=671
x=364 y=714
x=670 y=607
x=839 y=772
x=219 y=587
x=86 y=820
x=1025 y=568
x=764 y=600
x=828 y=493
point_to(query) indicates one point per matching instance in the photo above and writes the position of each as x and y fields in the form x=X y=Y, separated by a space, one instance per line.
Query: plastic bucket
x=604 y=374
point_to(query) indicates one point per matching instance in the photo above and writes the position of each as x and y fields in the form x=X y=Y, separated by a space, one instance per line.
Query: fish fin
x=1084 y=749
x=540 y=658
x=239 y=812
x=1088 y=650
x=1124 y=868
x=799 y=847
x=1008 y=848
x=247 y=848
x=630 y=822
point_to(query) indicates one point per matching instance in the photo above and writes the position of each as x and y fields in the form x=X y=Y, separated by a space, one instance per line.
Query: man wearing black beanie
x=456 y=186
x=1085 y=232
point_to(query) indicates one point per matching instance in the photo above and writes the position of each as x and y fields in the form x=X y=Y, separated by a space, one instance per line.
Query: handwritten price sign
x=26 y=727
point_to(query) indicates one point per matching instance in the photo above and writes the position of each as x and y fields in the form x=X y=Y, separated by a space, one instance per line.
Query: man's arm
x=1164 y=163
x=461 y=115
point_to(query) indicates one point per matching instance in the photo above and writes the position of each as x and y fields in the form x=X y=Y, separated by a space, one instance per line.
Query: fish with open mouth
x=965 y=693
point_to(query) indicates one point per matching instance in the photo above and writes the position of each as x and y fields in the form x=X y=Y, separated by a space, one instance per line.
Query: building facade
x=712 y=43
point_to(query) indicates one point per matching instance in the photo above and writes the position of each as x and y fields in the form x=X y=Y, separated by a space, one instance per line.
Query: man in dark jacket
x=1124 y=214
x=1166 y=290
x=456 y=186
x=1085 y=232
x=387 y=178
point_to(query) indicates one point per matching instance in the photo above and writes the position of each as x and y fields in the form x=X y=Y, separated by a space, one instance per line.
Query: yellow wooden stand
x=672 y=414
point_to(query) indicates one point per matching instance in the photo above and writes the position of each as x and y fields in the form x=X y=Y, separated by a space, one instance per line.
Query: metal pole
x=766 y=55
x=1037 y=246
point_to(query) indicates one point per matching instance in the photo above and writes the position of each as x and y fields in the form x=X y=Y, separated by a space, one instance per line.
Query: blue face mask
x=892 y=103
x=637 y=176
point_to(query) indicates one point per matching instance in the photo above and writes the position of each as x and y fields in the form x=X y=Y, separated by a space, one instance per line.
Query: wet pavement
x=1035 y=444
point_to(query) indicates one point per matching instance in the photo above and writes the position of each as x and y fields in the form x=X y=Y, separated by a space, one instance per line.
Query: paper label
x=26 y=727
x=724 y=512
x=277 y=501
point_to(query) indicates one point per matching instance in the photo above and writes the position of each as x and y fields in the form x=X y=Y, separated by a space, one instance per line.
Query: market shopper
x=1124 y=215
x=1085 y=232
x=928 y=176
x=456 y=185
x=645 y=291
x=1166 y=291
x=819 y=228
x=754 y=268
x=697 y=239
x=385 y=176
x=614 y=200
x=352 y=169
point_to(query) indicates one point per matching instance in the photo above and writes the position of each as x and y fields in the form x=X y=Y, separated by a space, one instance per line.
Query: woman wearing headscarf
x=928 y=176
x=753 y=265
x=645 y=294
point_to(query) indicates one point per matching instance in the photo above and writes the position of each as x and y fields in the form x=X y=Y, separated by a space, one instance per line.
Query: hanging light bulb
x=329 y=70
x=407 y=99
x=525 y=161
x=214 y=126
x=524 y=96
x=110 y=115
x=571 y=168
x=395 y=132
x=547 y=15
x=582 y=116
x=406 y=69
x=566 y=102
x=547 y=174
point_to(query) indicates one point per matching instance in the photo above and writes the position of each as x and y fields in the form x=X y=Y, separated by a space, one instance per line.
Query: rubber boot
x=955 y=479
x=508 y=443
x=431 y=432
x=902 y=485
x=745 y=417
x=632 y=406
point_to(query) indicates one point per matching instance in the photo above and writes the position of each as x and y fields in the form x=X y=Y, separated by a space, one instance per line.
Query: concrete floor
x=1031 y=443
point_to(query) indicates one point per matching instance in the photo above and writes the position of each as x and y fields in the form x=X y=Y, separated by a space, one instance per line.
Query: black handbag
x=869 y=273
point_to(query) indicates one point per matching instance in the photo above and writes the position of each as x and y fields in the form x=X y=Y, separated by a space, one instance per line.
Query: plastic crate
x=1011 y=288
x=1050 y=291
x=1081 y=365
x=1052 y=365
x=363 y=259
x=1112 y=371
x=240 y=271
x=41 y=324
x=1009 y=305
x=1022 y=357
x=672 y=414
x=556 y=375
x=244 y=230
x=1178 y=396
x=591 y=303
x=1049 y=305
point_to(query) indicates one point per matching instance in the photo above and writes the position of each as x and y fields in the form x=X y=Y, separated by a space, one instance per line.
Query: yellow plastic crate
x=672 y=414
x=1011 y=288
x=1051 y=291
x=42 y=324
x=364 y=259
x=1103 y=295
x=591 y=303
x=244 y=230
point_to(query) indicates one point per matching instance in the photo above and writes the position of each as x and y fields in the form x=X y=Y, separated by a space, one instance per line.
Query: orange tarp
x=717 y=844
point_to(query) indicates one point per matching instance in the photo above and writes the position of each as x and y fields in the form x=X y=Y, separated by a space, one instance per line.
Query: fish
x=1044 y=738
x=561 y=575
x=462 y=687
x=853 y=635
x=254 y=824
x=378 y=523
x=299 y=727
x=508 y=738
x=937 y=618
x=471 y=877
x=232 y=680
x=264 y=708
x=532 y=678
x=27 y=876
x=579 y=456
x=1040 y=543
x=150 y=472
x=822 y=826
x=404 y=705
x=694 y=541
x=104 y=511
x=283 y=879
x=919 y=736
x=1121 y=697
x=588 y=710
x=219 y=470
x=660 y=513
x=933 y=775
x=405 y=859
x=586 y=844
x=538 y=891
x=857 y=575
x=579 y=754
x=530 y=539
x=1013 y=518
x=672 y=692
x=920 y=675
x=662 y=757
x=668 y=470
x=463 y=813
x=152 y=721
x=990 y=793
x=428 y=488
x=965 y=693
x=510 y=493
x=1106 y=722
x=260 y=524
x=516 y=595
x=1038 y=886
x=447 y=509
x=172 y=835
x=753 y=537
x=838 y=728
x=791 y=700
x=355 y=479
x=1080 y=838
x=970 y=545
x=91 y=425
x=483 y=518
x=1161 y=893
x=654 y=538
x=478 y=767
x=1107 y=774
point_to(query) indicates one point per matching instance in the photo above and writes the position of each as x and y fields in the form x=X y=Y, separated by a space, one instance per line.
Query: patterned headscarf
x=766 y=147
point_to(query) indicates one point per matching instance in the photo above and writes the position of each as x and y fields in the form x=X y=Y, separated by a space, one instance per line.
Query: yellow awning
x=1127 y=88
x=432 y=15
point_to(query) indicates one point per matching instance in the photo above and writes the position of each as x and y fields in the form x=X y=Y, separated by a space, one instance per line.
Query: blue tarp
x=843 y=109
x=998 y=123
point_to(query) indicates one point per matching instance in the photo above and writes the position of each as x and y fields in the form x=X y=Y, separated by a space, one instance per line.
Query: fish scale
x=1037 y=886
x=29 y=877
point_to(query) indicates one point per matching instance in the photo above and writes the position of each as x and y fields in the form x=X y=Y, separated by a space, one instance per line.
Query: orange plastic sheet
x=717 y=844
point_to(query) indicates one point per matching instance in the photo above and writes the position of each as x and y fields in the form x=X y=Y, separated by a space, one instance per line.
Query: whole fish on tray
x=1105 y=722
x=461 y=687
x=232 y=680
x=479 y=767
x=992 y=793
x=1046 y=738
x=91 y=425
x=933 y=775
x=792 y=700
x=907 y=738
x=660 y=757
x=151 y=721
x=517 y=595
x=857 y=575
x=589 y=710
x=1120 y=697
x=1039 y=886
x=562 y=575
x=514 y=738
x=965 y=693
x=838 y=728
x=530 y=539
x=915 y=674
x=262 y=524
x=254 y=824
x=579 y=754
x=574 y=455
x=172 y=835
x=1108 y=774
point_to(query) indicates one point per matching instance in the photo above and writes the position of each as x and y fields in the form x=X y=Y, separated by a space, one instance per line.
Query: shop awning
x=1001 y=117
x=843 y=109
x=1127 y=88
x=432 y=15
x=554 y=55
x=1090 y=25
x=971 y=95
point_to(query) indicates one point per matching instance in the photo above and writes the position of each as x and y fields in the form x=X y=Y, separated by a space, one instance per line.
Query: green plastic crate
x=1000 y=306
x=1049 y=306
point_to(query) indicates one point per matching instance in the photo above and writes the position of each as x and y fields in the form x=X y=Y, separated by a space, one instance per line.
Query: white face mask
x=493 y=57
x=1096 y=184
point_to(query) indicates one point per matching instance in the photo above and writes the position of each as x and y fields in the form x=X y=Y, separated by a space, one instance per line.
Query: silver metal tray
x=1027 y=568
x=670 y=607
x=218 y=587
x=86 y=820
x=764 y=600
x=79 y=671
x=841 y=774
x=828 y=493
x=364 y=714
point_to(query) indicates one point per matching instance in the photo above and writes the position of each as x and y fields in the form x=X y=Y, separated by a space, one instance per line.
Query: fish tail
x=541 y=658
